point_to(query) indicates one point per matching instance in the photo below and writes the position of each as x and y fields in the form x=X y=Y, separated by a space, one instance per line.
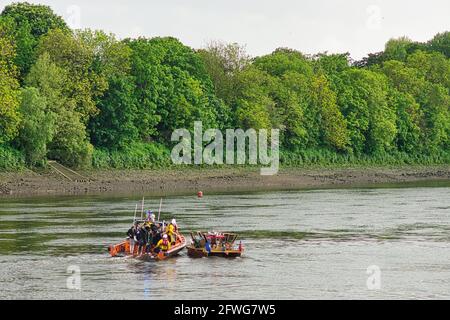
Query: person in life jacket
x=131 y=235
x=150 y=221
x=150 y=216
x=149 y=238
x=156 y=236
x=208 y=247
x=163 y=244
x=141 y=236
x=171 y=230
x=174 y=223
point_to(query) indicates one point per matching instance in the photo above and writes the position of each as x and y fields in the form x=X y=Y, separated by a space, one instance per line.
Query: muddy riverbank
x=187 y=180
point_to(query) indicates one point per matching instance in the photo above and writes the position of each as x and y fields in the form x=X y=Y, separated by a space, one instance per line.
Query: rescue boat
x=124 y=249
x=214 y=244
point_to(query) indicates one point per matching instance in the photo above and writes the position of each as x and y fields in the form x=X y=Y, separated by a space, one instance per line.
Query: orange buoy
x=199 y=194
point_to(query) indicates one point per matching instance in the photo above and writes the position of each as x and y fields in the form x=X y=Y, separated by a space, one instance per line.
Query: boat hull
x=124 y=249
x=201 y=252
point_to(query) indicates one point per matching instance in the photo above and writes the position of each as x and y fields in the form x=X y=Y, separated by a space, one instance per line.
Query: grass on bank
x=157 y=156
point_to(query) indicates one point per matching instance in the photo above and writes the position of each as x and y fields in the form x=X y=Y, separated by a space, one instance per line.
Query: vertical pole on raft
x=159 y=211
x=135 y=211
x=142 y=208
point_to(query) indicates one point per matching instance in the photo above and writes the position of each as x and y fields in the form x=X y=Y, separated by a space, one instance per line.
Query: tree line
x=85 y=98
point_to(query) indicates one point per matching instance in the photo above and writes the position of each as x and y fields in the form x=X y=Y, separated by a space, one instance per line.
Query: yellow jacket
x=170 y=229
x=148 y=224
x=163 y=246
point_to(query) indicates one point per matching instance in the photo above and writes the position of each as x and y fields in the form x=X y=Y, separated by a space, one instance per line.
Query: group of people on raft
x=152 y=236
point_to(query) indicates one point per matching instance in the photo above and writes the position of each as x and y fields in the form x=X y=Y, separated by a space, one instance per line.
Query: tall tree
x=441 y=43
x=224 y=62
x=31 y=22
x=362 y=97
x=71 y=54
x=397 y=49
x=254 y=104
x=70 y=143
x=433 y=99
x=434 y=67
x=172 y=88
x=9 y=86
x=409 y=116
x=332 y=124
x=37 y=126
x=114 y=127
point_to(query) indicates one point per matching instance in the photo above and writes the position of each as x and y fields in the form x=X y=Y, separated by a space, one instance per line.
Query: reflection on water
x=299 y=244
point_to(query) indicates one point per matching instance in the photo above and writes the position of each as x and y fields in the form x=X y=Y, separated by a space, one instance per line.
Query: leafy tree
x=126 y=97
x=436 y=102
x=332 y=64
x=362 y=97
x=51 y=82
x=397 y=49
x=172 y=88
x=333 y=126
x=253 y=103
x=110 y=57
x=114 y=126
x=146 y=71
x=433 y=98
x=37 y=127
x=40 y=18
x=403 y=78
x=293 y=97
x=223 y=63
x=284 y=60
x=441 y=43
x=70 y=143
x=31 y=22
x=293 y=111
x=9 y=86
x=76 y=58
x=25 y=44
x=408 y=121
x=371 y=60
x=172 y=53
x=305 y=106
x=434 y=67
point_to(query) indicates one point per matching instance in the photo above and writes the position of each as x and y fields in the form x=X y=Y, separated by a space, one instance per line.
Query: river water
x=369 y=243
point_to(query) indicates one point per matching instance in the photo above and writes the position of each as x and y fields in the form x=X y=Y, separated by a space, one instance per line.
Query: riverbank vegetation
x=87 y=99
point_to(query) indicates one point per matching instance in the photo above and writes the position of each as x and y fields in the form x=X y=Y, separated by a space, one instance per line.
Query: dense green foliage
x=85 y=98
x=30 y=23
x=133 y=156
x=9 y=86
x=11 y=159
x=36 y=128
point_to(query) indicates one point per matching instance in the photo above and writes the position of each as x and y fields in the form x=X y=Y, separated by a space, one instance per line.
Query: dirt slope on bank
x=163 y=182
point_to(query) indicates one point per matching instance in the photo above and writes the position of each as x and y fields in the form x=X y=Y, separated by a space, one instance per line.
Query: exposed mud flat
x=188 y=180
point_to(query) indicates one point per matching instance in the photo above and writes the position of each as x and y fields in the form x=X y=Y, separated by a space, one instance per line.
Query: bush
x=11 y=159
x=135 y=156
x=328 y=157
